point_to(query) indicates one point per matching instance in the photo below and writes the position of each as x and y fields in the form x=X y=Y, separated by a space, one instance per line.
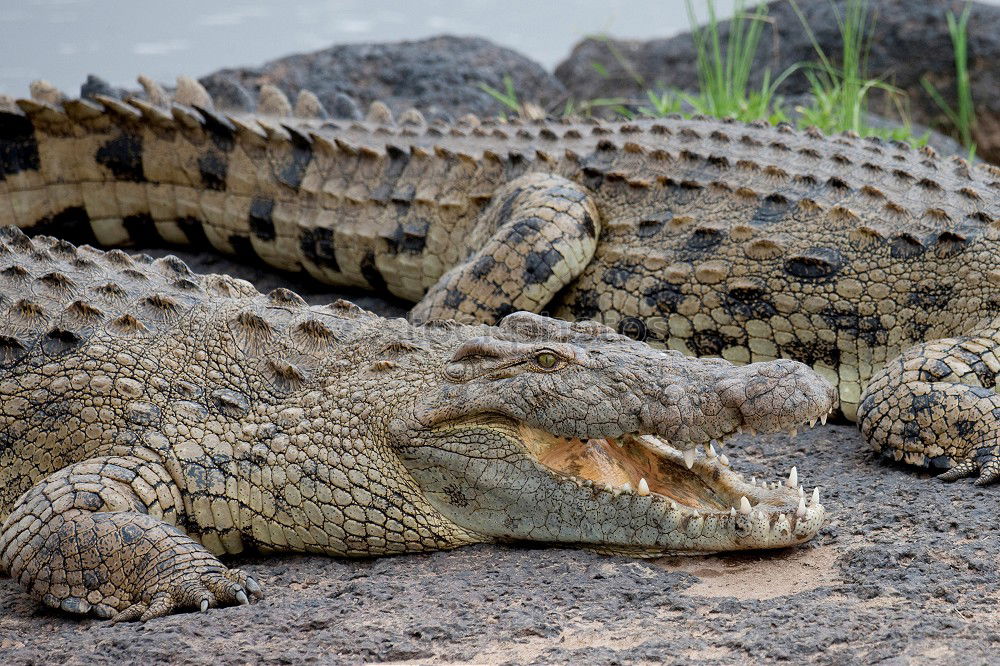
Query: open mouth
x=699 y=486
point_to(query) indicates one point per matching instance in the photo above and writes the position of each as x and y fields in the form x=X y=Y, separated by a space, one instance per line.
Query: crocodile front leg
x=936 y=405
x=91 y=538
x=543 y=232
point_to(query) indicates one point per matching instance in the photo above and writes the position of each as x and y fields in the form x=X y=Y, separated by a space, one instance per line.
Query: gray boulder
x=440 y=76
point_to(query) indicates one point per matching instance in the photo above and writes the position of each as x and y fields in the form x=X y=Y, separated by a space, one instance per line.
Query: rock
x=439 y=76
x=911 y=40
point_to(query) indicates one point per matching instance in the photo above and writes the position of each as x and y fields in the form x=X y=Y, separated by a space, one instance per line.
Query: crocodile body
x=152 y=418
x=709 y=237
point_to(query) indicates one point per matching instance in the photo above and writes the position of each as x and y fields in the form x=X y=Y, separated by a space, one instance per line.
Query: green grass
x=840 y=89
x=723 y=77
x=839 y=84
x=963 y=119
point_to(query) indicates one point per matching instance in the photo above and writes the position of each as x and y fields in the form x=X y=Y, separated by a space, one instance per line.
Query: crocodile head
x=558 y=432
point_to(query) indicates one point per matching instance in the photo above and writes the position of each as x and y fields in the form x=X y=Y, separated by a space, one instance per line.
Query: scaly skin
x=152 y=418
x=709 y=237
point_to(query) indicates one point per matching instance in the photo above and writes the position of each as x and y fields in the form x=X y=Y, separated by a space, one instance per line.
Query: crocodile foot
x=936 y=405
x=85 y=541
x=984 y=464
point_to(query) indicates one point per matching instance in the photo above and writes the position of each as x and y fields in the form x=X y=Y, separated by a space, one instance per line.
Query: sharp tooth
x=724 y=460
x=801 y=511
x=744 y=505
x=732 y=511
x=812 y=422
x=822 y=419
x=689 y=458
x=627 y=487
x=815 y=497
x=710 y=451
x=802 y=491
x=753 y=480
x=643 y=487
x=793 y=478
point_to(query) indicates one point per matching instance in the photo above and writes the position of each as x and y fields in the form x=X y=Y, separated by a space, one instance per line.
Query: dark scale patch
x=317 y=246
x=588 y=227
x=811 y=353
x=194 y=230
x=665 y=297
x=123 y=156
x=261 y=220
x=618 y=275
x=371 y=272
x=652 y=225
x=773 y=209
x=243 y=248
x=292 y=172
x=218 y=127
x=911 y=431
x=749 y=302
x=633 y=327
x=593 y=177
x=538 y=265
x=453 y=298
x=59 y=341
x=526 y=228
x=964 y=428
x=142 y=230
x=922 y=403
x=705 y=238
x=71 y=224
x=816 y=263
x=410 y=237
x=18 y=148
x=711 y=343
x=934 y=299
x=585 y=306
x=507 y=207
x=213 y=168
x=502 y=311
x=869 y=329
x=906 y=246
x=398 y=161
x=483 y=266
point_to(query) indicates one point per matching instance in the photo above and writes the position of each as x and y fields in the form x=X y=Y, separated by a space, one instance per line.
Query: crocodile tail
x=173 y=169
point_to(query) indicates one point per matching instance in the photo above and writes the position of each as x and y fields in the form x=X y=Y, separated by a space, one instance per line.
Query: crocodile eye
x=547 y=360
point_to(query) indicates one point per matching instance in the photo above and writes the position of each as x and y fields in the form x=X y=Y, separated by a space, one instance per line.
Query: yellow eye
x=547 y=360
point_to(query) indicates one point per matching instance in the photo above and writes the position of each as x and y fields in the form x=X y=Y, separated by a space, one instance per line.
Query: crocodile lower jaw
x=699 y=487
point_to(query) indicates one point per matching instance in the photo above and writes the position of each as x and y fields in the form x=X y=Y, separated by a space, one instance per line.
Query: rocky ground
x=905 y=571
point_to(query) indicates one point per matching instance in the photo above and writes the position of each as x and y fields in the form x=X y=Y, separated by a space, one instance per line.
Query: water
x=64 y=40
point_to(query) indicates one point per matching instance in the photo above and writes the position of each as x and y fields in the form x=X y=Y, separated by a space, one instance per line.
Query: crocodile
x=706 y=236
x=152 y=418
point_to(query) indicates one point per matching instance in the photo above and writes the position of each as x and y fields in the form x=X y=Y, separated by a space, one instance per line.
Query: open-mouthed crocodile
x=710 y=237
x=152 y=418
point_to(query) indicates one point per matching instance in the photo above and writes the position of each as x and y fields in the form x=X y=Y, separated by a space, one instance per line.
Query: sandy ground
x=905 y=571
